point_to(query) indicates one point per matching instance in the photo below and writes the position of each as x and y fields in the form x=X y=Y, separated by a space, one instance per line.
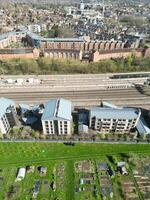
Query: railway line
x=69 y=81
x=85 y=94
x=129 y=97
x=82 y=90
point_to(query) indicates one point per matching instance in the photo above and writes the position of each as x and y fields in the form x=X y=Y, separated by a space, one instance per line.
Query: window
x=46 y=123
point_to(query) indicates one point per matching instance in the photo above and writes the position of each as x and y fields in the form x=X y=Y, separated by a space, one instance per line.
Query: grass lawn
x=13 y=153
x=70 y=186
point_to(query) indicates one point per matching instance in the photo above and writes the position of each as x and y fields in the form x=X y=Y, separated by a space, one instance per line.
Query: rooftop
x=12 y=33
x=4 y=104
x=114 y=113
x=142 y=127
x=37 y=37
x=56 y=109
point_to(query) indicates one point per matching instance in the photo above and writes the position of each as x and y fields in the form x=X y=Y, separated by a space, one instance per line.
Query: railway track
x=88 y=98
x=75 y=94
x=82 y=90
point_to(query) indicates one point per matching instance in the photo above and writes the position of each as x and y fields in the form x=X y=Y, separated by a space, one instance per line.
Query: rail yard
x=82 y=90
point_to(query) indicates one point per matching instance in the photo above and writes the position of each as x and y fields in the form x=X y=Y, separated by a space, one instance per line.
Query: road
x=73 y=141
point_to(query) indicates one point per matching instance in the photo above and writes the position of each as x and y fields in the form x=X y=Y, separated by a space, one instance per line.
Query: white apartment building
x=56 y=118
x=37 y=28
x=7 y=115
x=113 y=119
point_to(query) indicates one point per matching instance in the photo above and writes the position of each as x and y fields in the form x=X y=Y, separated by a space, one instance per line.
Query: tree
x=35 y=134
x=148 y=138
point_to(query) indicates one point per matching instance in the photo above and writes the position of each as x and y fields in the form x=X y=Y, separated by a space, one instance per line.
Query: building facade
x=56 y=118
x=113 y=119
x=81 y=48
x=7 y=115
x=6 y=39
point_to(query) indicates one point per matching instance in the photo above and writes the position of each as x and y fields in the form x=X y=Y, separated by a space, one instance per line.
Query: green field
x=53 y=155
x=16 y=153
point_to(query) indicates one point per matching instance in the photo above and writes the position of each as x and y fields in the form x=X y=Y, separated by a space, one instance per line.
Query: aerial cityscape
x=75 y=100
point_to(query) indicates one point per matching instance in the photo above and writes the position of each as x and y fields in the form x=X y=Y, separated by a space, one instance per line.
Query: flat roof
x=114 y=113
x=57 y=109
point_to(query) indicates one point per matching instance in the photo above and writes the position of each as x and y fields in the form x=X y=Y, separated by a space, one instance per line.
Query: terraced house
x=56 y=119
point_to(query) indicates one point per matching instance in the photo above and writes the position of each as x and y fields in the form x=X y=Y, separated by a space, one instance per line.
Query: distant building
x=6 y=39
x=80 y=48
x=82 y=5
x=56 y=118
x=35 y=28
x=113 y=120
x=7 y=115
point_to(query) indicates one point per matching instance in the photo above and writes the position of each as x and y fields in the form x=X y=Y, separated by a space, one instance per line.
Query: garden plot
x=1 y=182
x=129 y=189
x=58 y=182
x=85 y=166
x=32 y=186
x=12 y=192
x=36 y=189
x=104 y=180
x=85 y=180
x=45 y=186
x=141 y=176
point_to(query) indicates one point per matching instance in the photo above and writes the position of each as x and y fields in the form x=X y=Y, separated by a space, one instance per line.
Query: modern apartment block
x=37 y=28
x=113 y=119
x=56 y=118
x=7 y=115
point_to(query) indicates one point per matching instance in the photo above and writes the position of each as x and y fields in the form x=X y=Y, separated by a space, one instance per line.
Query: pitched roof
x=56 y=109
x=112 y=113
x=4 y=104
